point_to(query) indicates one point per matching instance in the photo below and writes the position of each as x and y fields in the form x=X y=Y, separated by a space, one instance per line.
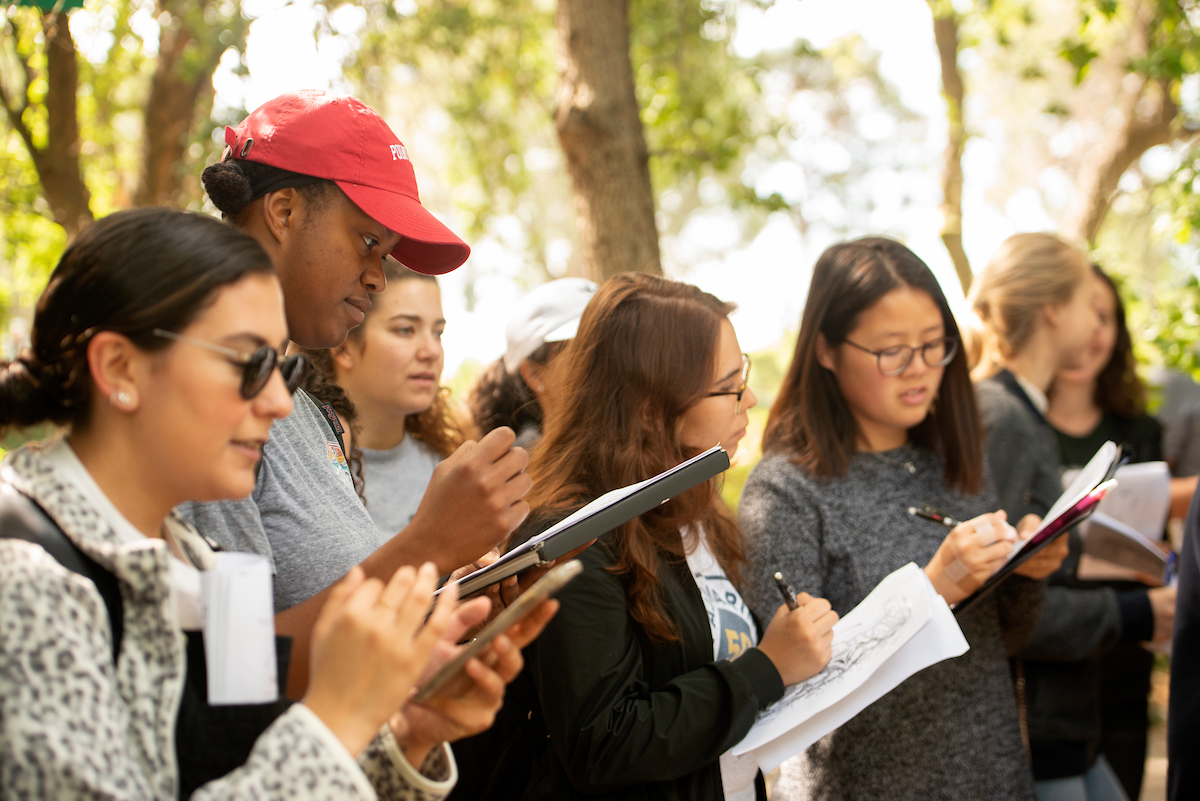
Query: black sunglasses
x=256 y=366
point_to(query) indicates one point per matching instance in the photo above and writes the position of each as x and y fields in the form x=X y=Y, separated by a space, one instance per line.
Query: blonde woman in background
x=1037 y=301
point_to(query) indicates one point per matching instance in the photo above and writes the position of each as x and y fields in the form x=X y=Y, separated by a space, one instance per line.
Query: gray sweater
x=948 y=732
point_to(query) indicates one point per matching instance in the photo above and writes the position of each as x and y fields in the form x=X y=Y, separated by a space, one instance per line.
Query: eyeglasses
x=741 y=390
x=895 y=360
x=256 y=366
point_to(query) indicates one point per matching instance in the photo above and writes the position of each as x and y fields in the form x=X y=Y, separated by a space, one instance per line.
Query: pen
x=1168 y=574
x=936 y=515
x=785 y=589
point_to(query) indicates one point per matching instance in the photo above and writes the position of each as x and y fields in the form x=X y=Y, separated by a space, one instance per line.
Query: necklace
x=907 y=464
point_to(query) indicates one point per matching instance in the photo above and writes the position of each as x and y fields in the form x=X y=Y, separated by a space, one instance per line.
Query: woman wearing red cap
x=328 y=190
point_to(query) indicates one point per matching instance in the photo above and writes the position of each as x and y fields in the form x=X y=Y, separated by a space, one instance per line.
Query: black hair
x=233 y=184
x=131 y=272
x=1119 y=390
x=501 y=398
x=812 y=421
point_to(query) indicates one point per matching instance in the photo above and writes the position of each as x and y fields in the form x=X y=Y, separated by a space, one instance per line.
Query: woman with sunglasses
x=877 y=415
x=155 y=347
x=654 y=667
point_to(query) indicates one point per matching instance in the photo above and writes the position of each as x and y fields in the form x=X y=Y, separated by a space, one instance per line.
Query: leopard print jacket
x=73 y=726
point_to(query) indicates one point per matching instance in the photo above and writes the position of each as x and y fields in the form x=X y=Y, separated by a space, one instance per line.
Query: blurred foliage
x=715 y=122
x=118 y=47
x=494 y=61
x=1150 y=243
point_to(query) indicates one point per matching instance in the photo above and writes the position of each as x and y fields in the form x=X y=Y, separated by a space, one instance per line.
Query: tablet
x=529 y=600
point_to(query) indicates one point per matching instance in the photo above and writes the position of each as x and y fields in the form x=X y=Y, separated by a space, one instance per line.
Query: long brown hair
x=643 y=355
x=1119 y=390
x=812 y=421
x=439 y=426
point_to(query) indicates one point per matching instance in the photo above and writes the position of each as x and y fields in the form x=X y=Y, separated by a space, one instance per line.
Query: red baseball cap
x=336 y=137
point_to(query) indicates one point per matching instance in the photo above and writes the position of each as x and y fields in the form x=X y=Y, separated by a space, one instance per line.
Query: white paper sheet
x=873 y=652
x=239 y=630
x=939 y=639
x=1141 y=499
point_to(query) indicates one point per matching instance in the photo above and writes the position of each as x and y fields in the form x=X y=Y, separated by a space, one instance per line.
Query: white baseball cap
x=550 y=313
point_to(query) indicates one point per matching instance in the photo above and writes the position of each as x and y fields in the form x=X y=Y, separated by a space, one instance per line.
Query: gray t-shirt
x=394 y=481
x=303 y=514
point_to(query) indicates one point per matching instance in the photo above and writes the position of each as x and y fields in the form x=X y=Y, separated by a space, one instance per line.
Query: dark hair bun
x=227 y=186
x=26 y=394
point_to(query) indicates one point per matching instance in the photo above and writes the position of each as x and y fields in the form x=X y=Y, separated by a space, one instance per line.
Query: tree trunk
x=600 y=130
x=181 y=92
x=945 y=33
x=57 y=163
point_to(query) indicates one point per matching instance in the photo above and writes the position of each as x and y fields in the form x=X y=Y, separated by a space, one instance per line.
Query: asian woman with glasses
x=876 y=415
x=634 y=691
x=155 y=348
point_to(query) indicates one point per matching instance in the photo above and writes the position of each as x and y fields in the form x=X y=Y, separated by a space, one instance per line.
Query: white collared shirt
x=1035 y=394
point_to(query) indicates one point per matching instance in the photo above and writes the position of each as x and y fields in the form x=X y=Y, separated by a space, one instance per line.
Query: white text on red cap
x=399 y=153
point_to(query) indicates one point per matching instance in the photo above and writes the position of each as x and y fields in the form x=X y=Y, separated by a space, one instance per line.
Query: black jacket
x=601 y=712
x=1081 y=623
x=1183 y=718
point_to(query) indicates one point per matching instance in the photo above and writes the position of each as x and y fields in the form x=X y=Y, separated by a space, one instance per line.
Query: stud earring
x=120 y=398
x=541 y=388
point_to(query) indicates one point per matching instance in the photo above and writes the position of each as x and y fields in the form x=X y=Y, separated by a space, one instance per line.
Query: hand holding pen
x=799 y=638
x=969 y=554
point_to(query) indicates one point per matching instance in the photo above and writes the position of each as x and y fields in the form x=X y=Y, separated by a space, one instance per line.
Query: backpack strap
x=22 y=518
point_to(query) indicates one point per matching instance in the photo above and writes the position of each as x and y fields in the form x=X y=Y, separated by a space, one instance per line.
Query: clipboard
x=1075 y=505
x=609 y=511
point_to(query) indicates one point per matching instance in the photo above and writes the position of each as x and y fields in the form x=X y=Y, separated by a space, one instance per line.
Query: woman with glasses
x=877 y=415
x=654 y=667
x=155 y=347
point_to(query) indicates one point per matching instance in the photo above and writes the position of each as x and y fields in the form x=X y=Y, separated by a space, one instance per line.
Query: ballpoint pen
x=785 y=589
x=936 y=515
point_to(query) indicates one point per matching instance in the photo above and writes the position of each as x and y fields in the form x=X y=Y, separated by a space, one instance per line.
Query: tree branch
x=945 y=34
x=1101 y=171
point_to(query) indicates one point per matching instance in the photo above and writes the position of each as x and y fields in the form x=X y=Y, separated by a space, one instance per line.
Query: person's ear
x=825 y=354
x=534 y=376
x=117 y=370
x=1052 y=315
x=345 y=356
x=280 y=211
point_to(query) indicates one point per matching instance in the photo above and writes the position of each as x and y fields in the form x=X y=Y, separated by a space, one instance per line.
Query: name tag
x=239 y=630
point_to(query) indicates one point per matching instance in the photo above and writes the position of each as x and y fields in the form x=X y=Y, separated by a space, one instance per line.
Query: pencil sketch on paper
x=863 y=641
x=862 y=646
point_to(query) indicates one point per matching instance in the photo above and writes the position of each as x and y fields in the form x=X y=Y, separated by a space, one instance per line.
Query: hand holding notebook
x=1074 y=506
x=599 y=517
